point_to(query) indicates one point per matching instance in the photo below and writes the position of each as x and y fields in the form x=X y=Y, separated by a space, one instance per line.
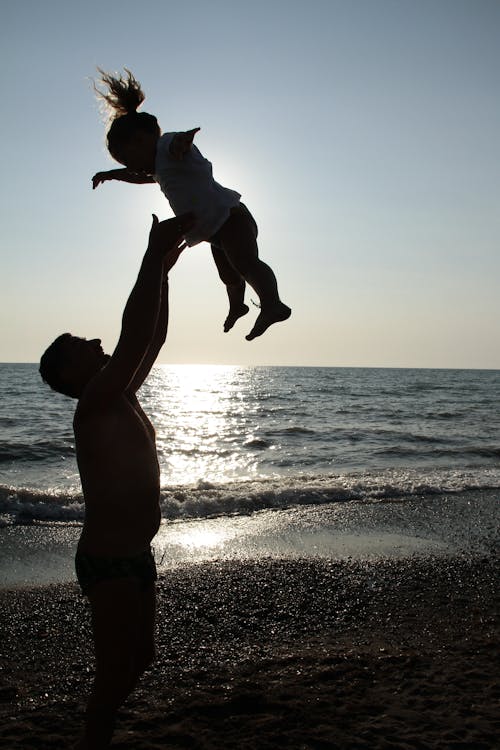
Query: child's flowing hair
x=123 y=96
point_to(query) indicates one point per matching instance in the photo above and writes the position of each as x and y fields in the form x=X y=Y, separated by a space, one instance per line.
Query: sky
x=362 y=134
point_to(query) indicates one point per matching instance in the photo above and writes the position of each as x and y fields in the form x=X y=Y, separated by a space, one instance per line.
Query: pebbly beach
x=267 y=653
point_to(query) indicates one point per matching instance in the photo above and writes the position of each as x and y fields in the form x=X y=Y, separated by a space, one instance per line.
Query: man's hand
x=167 y=237
x=181 y=143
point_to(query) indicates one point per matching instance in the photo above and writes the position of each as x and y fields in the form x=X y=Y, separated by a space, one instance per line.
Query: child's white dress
x=189 y=185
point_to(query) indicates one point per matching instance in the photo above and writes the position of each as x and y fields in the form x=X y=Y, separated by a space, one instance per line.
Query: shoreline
x=434 y=525
x=303 y=654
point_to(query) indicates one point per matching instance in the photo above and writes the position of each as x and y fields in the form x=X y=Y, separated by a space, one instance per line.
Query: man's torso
x=118 y=465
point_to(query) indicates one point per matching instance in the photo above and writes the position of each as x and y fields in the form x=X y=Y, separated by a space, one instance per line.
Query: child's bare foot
x=274 y=315
x=234 y=314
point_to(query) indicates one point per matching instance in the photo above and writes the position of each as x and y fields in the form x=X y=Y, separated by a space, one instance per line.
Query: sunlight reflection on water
x=203 y=420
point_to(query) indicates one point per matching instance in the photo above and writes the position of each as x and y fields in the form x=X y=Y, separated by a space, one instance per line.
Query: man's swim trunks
x=91 y=570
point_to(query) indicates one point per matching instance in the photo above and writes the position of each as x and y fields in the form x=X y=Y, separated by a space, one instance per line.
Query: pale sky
x=364 y=136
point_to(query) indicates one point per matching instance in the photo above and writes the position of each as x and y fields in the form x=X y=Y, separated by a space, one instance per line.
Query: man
x=117 y=460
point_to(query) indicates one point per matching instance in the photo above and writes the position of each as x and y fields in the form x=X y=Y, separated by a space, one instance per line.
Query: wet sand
x=303 y=654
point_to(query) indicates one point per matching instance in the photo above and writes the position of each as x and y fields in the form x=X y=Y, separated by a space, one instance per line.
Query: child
x=185 y=177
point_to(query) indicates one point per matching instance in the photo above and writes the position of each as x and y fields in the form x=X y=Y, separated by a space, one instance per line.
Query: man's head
x=70 y=362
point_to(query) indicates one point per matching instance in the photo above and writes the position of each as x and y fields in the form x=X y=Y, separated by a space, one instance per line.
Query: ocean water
x=232 y=440
x=269 y=461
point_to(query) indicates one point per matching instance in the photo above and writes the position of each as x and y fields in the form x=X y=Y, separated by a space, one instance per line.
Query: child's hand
x=181 y=143
x=98 y=178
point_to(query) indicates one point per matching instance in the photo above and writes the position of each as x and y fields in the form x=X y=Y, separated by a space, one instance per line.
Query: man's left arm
x=160 y=333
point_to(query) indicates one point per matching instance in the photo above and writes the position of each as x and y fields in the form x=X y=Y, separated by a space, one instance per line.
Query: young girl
x=185 y=177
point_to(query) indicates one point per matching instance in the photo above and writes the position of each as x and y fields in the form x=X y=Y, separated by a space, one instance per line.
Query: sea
x=268 y=461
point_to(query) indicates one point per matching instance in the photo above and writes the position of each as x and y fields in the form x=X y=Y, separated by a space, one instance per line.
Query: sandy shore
x=296 y=654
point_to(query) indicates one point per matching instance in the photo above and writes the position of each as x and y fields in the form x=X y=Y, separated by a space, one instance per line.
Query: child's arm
x=124 y=175
x=181 y=143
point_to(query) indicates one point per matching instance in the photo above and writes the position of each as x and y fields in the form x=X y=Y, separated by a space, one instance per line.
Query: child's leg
x=235 y=287
x=238 y=239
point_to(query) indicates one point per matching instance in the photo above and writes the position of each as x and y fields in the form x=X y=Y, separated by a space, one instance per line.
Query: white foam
x=208 y=499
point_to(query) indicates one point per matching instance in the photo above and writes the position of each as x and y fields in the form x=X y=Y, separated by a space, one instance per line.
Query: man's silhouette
x=117 y=460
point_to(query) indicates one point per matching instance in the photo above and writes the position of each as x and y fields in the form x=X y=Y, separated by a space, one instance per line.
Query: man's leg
x=145 y=646
x=122 y=623
x=235 y=287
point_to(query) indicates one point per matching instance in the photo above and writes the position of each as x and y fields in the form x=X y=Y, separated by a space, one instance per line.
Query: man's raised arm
x=140 y=315
x=161 y=328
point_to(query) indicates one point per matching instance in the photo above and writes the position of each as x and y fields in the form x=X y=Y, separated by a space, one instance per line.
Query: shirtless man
x=117 y=460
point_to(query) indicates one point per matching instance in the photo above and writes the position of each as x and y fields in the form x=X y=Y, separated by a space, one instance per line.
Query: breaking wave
x=206 y=499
